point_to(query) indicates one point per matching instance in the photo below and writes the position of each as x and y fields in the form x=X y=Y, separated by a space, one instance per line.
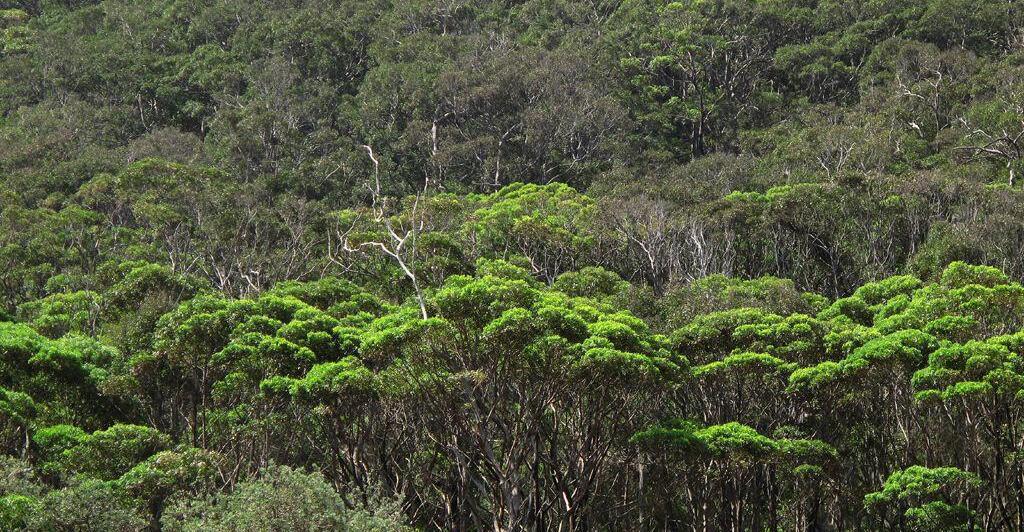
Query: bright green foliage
x=222 y=350
x=549 y=225
x=347 y=378
x=592 y=282
x=61 y=313
x=729 y=441
x=18 y=343
x=16 y=511
x=491 y=339
x=314 y=369
x=54 y=381
x=736 y=441
x=105 y=454
x=929 y=498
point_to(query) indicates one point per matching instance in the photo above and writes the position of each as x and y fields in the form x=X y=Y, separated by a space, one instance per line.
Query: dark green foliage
x=92 y=505
x=281 y=498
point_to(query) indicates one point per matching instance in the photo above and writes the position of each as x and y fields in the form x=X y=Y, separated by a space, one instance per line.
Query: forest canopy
x=511 y=265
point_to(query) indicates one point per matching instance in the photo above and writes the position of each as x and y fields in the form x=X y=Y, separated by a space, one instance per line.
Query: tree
x=925 y=499
x=400 y=235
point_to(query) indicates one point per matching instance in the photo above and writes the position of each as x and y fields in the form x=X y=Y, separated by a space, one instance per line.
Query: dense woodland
x=503 y=265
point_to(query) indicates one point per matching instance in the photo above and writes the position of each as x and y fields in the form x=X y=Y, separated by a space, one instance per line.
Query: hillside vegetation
x=511 y=265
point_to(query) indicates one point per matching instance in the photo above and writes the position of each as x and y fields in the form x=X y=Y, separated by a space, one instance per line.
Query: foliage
x=281 y=498
x=544 y=264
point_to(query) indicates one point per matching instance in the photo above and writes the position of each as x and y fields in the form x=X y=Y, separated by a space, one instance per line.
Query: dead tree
x=400 y=237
